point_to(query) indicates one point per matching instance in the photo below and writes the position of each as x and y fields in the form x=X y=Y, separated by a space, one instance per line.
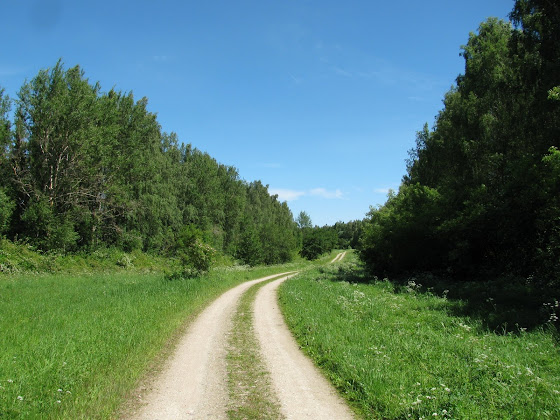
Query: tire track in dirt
x=193 y=383
x=339 y=257
x=303 y=391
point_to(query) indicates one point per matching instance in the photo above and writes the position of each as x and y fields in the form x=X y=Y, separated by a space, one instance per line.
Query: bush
x=195 y=255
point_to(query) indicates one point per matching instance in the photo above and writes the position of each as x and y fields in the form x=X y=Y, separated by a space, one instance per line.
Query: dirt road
x=338 y=257
x=193 y=384
x=303 y=392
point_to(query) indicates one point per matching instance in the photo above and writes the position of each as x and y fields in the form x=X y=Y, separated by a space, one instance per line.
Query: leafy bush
x=194 y=253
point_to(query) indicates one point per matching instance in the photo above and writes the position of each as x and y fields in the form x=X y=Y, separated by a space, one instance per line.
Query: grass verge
x=250 y=389
x=74 y=346
x=397 y=355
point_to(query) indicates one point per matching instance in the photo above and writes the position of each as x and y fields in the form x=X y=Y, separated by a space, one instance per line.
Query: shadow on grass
x=503 y=305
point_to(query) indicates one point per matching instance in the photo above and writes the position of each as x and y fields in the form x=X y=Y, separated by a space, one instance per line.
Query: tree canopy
x=82 y=169
x=482 y=191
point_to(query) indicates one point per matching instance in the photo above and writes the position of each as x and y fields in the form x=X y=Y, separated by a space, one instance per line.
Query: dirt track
x=303 y=392
x=193 y=384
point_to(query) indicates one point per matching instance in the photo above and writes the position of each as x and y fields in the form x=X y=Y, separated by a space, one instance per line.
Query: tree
x=56 y=122
x=304 y=220
x=89 y=169
x=480 y=194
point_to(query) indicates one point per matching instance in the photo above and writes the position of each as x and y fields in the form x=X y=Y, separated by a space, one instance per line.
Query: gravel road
x=302 y=390
x=193 y=383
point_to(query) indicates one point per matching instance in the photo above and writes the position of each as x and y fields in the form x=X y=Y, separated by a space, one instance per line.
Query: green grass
x=20 y=258
x=250 y=390
x=405 y=355
x=75 y=346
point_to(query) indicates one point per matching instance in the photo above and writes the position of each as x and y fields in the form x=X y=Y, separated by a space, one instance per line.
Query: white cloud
x=296 y=80
x=342 y=72
x=292 y=195
x=322 y=192
x=286 y=195
x=381 y=190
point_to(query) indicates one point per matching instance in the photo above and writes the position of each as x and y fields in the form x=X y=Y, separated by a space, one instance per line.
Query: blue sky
x=320 y=100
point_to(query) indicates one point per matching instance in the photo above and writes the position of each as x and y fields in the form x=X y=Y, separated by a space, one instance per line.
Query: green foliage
x=397 y=235
x=480 y=198
x=194 y=253
x=304 y=220
x=249 y=248
x=6 y=209
x=348 y=234
x=554 y=93
x=18 y=258
x=89 y=169
x=317 y=241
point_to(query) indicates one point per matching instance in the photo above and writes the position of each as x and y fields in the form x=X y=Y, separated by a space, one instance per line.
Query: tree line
x=481 y=196
x=82 y=169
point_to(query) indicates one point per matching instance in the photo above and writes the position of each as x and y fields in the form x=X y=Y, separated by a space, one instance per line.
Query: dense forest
x=481 y=197
x=83 y=169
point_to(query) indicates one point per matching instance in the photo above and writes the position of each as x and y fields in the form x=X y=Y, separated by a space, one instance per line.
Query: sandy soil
x=193 y=384
x=302 y=390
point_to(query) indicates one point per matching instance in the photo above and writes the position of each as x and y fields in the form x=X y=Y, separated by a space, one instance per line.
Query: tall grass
x=405 y=355
x=74 y=346
x=19 y=258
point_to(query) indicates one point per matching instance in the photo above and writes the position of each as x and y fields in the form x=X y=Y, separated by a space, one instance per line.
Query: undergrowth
x=20 y=258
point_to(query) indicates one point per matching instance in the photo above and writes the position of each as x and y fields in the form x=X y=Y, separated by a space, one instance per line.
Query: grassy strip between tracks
x=77 y=345
x=397 y=354
x=250 y=388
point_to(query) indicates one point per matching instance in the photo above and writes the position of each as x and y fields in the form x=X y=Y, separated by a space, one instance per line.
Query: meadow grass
x=77 y=345
x=22 y=258
x=74 y=346
x=397 y=354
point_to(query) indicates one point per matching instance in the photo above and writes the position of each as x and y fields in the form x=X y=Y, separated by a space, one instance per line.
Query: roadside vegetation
x=74 y=346
x=399 y=352
x=76 y=343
